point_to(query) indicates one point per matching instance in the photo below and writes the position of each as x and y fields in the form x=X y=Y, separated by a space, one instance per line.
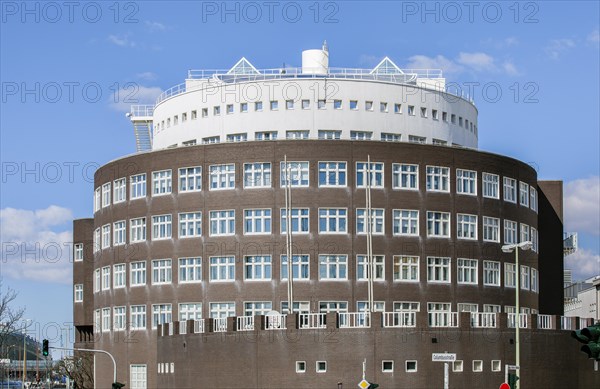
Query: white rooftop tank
x=316 y=61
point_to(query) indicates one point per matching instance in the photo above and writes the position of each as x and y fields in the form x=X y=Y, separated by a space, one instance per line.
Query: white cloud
x=582 y=206
x=122 y=41
x=369 y=60
x=437 y=62
x=35 y=244
x=479 y=62
x=583 y=263
x=148 y=76
x=127 y=97
x=594 y=37
x=557 y=47
x=155 y=26
x=510 y=68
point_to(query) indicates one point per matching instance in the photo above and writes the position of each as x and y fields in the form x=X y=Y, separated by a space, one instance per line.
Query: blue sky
x=67 y=75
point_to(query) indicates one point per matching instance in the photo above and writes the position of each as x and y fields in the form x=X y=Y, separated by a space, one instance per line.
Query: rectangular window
x=266 y=135
x=305 y=104
x=222 y=223
x=138 y=186
x=491 y=185
x=510 y=275
x=361 y=135
x=321 y=104
x=96 y=240
x=211 y=140
x=434 y=114
x=162 y=272
x=368 y=105
x=383 y=107
x=190 y=224
x=190 y=270
x=438 y=224
x=297 y=134
x=299 y=220
x=333 y=306
x=417 y=139
x=337 y=104
x=161 y=182
x=161 y=314
x=377 y=221
x=119 y=191
x=97 y=280
x=78 y=293
x=258 y=106
x=222 y=176
x=534 y=239
x=296 y=172
x=397 y=108
x=105 y=319
x=389 y=137
x=525 y=277
x=119 y=233
x=332 y=174
x=300 y=267
x=372 y=173
x=534 y=280
x=466 y=226
x=423 y=112
x=190 y=311
x=466 y=182
x=137 y=231
x=217 y=110
x=257 y=175
x=119 y=276
x=222 y=269
x=523 y=194
x=137 y=274
x=229 y=109
x=257 y=267
x=466 y=271
x=78 y=252
x=321 y=366
x=97 y=322
x=406 y=222
x=161 y=227
x=353 y=105
x=97 y=199
x=106 y=236
x=405 y=176
x=491 y=273
x=510 y=232
x=438 y=178
x=204 y=112
x=333 y=220
x=243 y=107
x=510 y=190
x=329 y=134
x=106 y=195
x=525 y=235
x=438 y=269
x=237 y=137
x=254 y=308
x=138 y=317
x=533 y=199
x=411 y=110
x=257 y=221
x=190 y=179
x=362 y=268
x=300 y=367
x=297 y=306
x=274 y=104
x=333 y=267
x=457 y=366
x=411 y=366
x=406 y=268
x=222 y=310
x=439 y=142
x=119 y=318
x=491 y=229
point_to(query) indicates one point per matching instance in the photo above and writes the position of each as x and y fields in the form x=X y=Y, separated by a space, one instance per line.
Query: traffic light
x=512 y=380
x=373 y=386
x=590 y=336
x=45 y=347
x=117 y=385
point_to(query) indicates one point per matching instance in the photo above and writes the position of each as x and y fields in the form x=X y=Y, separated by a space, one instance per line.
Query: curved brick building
x=183 y=272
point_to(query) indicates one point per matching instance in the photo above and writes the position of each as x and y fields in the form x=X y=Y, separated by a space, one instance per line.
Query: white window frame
x=78 y=252
x=106 y=279
x=162 y=182
x=119 y=318
x=257 y=175
x=222 y=269
x=466 y=226
x=510 y=232
x=119 y=232
x=219 y=310
x=439 y=270
x=491 y=185
x=78 y=293
x=300 y=267
x=509 y=189
x=466 y=271
x=333 y=267
x=405 y=222
x=377 y=221
x=137 y=230
x=438 y=179
x=162 y=271
x=119 y=190
x=106 y=316
x=189 y=311
x=491 y=273
x=222 y=222
x=377 y=175
x=523 y=194
x=189 y=270
x=333 y=169
x=510 y=274
x=106 y=192
x=162 y=227
x=300 y=220
x=190 y=179
x=190 y=225
x=161 y=314
x=119 y=275
x=137 y=315
x=362 y=268
x=440 y=222
x=299 y=174
x=405 y=176
x=258 y=221
x=335 y=220
x=137 y=273
x=106 y=236
x=491 y=229
x=222 y=177
x=466 y=182
x=258 y=268
x=406 y=268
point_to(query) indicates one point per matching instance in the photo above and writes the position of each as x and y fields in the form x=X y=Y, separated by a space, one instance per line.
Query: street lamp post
x=25 y=351
x=509 y=248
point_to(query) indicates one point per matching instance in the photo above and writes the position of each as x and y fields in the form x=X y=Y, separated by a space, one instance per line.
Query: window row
x=136 y=317
x=331 y=174
x=331 y=267
x=405 y=222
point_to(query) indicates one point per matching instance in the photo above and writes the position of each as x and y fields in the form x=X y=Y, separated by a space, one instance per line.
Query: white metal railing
x=544 y=322
x=566 y=323
x=511 y=317
x=171 y=327
x=183 y=327
x=245 y=323
x=399 y=319
x=483 y=319
x=141 y=110
x=354 y=319
x=199 y=326
x=275 y=322
x=220 y=324
x=312 y=320
x=443 y=319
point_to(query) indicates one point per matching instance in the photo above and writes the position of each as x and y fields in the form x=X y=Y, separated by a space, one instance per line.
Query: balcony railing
x=483 y=320
x=354 y=319
x=399 y=319
x=511 y=318
x=220 y=324
x=443 y=319
x=544 y=322
x=312 y=320
x=566 y=323
x=245 y=323
x=275 y=322
x=199 y=326
x=183 y=327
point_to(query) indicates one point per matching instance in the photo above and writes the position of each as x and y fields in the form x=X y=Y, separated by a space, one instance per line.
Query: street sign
x=443 y=357
x=513 y=367
x=504 y=385
x=363 y=384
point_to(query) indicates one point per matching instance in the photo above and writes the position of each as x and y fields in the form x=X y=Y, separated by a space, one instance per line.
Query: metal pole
x=91 y=350
x=369 y=222
x=517 y=321
x=288 y=234
x=446 y=376
x=24 y=356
